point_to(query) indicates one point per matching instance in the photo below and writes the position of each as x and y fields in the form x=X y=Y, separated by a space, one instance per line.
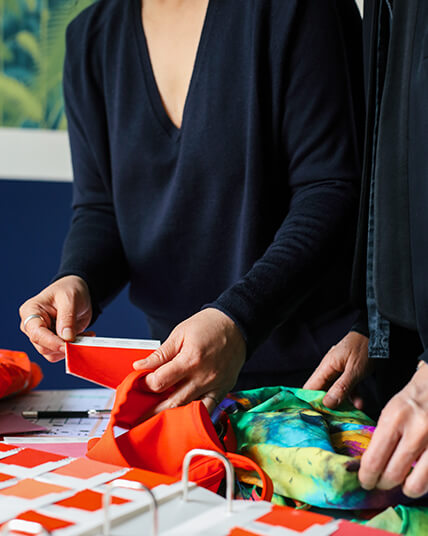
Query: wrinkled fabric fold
x=311 y=453
x=158 y=443
x=18 y=374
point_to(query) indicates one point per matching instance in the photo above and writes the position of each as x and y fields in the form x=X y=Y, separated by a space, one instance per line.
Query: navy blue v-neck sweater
x=250 y=206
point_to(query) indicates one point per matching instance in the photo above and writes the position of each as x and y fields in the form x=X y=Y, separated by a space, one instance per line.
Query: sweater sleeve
x=93 y=248
x=320 y=145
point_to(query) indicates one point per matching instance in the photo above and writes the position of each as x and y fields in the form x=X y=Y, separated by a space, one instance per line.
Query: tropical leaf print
x=32 y=49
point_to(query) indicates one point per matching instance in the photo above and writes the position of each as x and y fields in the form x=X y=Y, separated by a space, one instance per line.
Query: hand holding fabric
x=62 y=310
x=400 y=442
x=344 y=365
x=202 y=357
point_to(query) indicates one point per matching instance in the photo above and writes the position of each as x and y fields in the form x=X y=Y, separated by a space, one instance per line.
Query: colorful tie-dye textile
x=407 y=520
x=311 y=452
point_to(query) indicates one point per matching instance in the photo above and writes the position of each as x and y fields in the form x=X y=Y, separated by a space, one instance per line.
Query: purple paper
x=11 y=424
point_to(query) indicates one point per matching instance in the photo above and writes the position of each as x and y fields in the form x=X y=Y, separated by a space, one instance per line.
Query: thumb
x=167 y=351
x=66 y=317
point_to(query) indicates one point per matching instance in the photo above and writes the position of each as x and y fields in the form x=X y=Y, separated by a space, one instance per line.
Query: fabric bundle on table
x=18 y=374
x=311 y=453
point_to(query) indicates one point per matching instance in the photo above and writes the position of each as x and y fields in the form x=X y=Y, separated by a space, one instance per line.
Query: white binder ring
x=128 y=484
x=230 y=473
x=20 y=525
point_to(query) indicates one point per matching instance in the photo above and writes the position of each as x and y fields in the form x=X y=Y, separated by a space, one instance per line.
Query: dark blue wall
x=34 y=217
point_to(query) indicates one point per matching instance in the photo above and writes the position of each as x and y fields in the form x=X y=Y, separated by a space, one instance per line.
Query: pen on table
x=66 y=414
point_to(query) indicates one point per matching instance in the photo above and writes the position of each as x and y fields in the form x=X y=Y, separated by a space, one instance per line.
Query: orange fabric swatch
x=17 y=373
x=32 y=489
x=148 y=478
x=298 y=520
x=152 y=445
x=88 y=500
x=84 y=468
x=49 y=523
x=4 y=477
x=31 y=458
x=151 y=441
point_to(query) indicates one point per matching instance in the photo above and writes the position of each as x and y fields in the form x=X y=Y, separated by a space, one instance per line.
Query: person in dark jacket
x=216 y=162
x=390 y=281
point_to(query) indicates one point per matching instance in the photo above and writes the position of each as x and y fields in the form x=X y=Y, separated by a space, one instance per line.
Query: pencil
x=67 y=414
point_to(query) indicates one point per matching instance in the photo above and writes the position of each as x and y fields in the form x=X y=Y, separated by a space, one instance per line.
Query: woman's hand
x=399 y=441
x=63 y=310
x=202 y=357
x=344 y=365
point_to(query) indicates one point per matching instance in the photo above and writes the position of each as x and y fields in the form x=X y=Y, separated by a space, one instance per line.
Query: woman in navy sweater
x=216 y=169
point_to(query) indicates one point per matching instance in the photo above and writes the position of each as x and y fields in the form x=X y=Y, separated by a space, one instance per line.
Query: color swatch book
x=66 y=496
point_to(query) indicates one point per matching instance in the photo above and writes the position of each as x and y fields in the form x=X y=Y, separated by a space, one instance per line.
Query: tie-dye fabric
x=311 y=452
x=410 y=521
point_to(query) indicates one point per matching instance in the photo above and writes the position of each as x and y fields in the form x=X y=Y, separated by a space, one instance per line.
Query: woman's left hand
x=202 y=358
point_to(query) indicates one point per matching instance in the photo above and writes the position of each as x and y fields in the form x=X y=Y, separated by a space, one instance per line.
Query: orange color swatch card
x=298 y=520
x=88 y=500
x=85 y=473
x=6 y=448
x=106 y=361
x=29 y=494
x=237 y=531
x=86 y=468
x=30 y=458
x=32 y=489
x=48 y=522
x=4 y=478
x=31 y=462
x=148 y=478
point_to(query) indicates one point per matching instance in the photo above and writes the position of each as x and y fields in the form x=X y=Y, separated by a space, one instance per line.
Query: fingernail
x=330 y=400
x=67 y=333
x=137 y=365
x=62 y=348
x=413 y=494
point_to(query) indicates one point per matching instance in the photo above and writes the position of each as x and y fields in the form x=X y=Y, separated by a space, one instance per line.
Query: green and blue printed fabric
x=312 y=453
x=406 y=520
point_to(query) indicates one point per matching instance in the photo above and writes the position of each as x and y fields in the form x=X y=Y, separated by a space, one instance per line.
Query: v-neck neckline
x=149 y=77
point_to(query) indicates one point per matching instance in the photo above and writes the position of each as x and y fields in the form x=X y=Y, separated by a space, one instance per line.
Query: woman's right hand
x=63 y=311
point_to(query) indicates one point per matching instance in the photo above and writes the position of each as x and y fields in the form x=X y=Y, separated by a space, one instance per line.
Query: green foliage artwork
x=32 y=48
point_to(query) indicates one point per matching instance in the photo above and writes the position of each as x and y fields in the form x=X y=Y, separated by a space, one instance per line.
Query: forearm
x=93 y=251
x=320 y=219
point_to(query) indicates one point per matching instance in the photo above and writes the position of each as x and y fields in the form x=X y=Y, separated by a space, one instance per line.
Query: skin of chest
x=173 y=30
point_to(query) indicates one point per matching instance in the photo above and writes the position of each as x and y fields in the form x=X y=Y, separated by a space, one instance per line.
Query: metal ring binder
x=230 y=473
x=128 y=484
x=20 y=525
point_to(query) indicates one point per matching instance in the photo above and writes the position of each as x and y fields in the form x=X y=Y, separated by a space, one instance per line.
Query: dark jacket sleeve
x=93 y=248
x=319 y=139
x=361 y=324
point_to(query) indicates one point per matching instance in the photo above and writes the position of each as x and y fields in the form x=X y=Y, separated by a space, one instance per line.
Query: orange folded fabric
x=18 y=374
x=159 y=443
